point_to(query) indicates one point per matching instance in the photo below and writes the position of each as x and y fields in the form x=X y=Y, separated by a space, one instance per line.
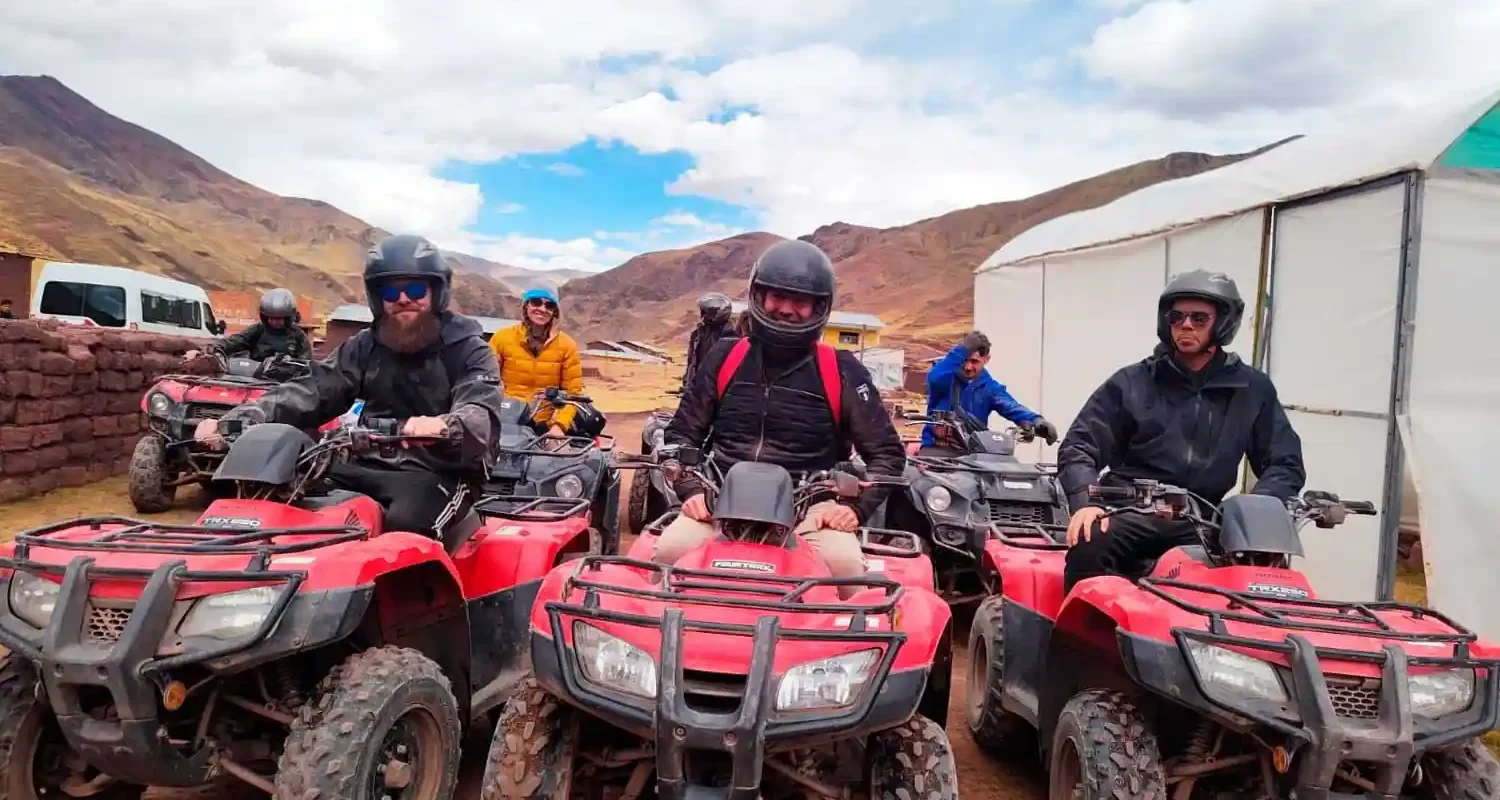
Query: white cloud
x=566 y=170
x=362 y=103
x=509 y=208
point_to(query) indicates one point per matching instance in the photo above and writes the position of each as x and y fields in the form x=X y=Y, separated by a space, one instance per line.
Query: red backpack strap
x=732 y=364
x=833 y=387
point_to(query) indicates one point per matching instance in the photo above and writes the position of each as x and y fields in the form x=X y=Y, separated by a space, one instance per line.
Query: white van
x=115 y=297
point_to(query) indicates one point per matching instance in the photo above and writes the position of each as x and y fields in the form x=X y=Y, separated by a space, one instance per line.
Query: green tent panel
x=1479 y=147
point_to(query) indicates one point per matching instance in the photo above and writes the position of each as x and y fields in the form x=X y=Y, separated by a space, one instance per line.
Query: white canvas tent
x=1370 y=261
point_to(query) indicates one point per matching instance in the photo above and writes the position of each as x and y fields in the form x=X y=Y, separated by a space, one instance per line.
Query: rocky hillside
x=78 y=183
x=918 y=278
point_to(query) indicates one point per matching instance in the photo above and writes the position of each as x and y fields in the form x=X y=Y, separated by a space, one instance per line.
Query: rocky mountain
x=78 y=183
x=917 y=278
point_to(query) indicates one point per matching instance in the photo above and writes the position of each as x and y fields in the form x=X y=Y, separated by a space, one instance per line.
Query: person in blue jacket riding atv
x=959 y=382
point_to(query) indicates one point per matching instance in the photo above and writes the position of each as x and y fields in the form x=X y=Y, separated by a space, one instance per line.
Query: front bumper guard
x=136 y=748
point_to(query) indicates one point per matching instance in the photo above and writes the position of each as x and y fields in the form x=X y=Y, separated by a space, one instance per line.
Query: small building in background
x=849 y=330
x=621 y=351
x=15 y=280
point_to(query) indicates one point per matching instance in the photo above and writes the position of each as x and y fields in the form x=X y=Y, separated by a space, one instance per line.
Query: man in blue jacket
x=961 y=376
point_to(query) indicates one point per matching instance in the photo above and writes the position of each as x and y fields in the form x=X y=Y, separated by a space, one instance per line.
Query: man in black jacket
x=713 y=324
x=418 y=362
x=277 y=333
x=1188 y=416
x=777 y=406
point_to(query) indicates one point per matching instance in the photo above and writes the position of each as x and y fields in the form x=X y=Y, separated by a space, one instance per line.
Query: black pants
x=1131 y=539
x=415 y=500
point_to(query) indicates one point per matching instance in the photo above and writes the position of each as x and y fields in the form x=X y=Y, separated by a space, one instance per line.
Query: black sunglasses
x=1199 y=318
x=415 y=290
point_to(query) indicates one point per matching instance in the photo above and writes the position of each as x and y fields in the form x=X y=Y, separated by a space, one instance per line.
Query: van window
x=208 y=314
x=190 y=316
x=160 y=310
x=104 y=305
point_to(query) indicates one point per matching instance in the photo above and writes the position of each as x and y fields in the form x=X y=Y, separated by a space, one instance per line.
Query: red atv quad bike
x=1220 y=674
x=288 y=640
x=737 y=672
x=168 y=456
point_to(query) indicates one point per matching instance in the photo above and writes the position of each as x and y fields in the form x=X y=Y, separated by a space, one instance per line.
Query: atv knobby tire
x=635 y=509
x=335 y=748
x=1464 y=771
x=912 y=761
x=150 y=492
x=25 y=724
x=993 y=727
x=532 y=755
x=1103 y=743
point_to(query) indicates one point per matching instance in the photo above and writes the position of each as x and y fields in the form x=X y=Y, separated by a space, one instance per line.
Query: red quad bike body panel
x=127 y=589
x=724 y=625
x=208 y=391
x=1344 y=667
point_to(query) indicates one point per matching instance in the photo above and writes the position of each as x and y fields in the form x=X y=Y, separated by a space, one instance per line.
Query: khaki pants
x=839 y=549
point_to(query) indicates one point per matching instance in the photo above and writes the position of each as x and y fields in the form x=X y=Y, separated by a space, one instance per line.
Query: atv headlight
x=831 y=683
x=33 y=598
x=229 y=615
x=938 y=499
x=1439 y=694
x=158 y=404
x=1236 y=673
x=569 y=487
x=613 y=662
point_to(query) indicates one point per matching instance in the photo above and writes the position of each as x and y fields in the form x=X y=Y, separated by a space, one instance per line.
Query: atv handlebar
x=672 y=459
x=1324 y=509
x=1023 y=434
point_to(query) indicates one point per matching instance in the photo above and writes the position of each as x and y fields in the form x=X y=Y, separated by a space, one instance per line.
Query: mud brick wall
x=70 y=400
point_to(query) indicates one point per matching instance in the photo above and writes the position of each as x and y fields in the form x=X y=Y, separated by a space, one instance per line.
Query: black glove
x=1045 y=429
x=974 y=341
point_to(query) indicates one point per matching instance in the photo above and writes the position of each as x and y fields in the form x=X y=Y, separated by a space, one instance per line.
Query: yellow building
x=847 y=330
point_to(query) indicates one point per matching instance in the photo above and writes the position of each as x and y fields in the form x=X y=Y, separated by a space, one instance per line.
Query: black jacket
x=1153 y=420
x=700 y=344
x=259 y=343
x=778 y=413
x=458 y=376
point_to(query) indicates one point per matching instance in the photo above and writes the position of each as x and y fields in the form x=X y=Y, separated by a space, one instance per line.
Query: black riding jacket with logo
x=1154 y=420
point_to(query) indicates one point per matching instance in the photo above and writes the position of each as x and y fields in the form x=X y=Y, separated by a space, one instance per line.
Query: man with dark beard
x=418 y=362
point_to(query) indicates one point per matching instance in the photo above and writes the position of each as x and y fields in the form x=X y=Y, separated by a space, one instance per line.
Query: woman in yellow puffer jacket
x=534 y=355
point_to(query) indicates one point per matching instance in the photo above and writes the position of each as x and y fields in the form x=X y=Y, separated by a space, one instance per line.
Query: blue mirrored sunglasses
x=414 y=290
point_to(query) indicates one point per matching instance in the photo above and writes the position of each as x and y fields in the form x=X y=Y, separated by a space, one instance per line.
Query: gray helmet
x=1214 y=287
x=278 y=303
x=792 y=266
x=714 y=308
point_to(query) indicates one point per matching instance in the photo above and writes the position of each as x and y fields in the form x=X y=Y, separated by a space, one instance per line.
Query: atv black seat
x=763 y=592
x=1193 y=551
x=461 y=530
x=524 y=508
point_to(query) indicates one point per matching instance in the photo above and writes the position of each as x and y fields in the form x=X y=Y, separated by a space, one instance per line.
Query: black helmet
x=278 y=303
x=792 y=266
x=407 y=256
x=1214 y=287
x=714 y=307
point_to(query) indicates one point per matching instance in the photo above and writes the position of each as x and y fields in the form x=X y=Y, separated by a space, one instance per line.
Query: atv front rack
x=141 y=536
x=1320 y=616
x=676 y=717
x=764 y=592
x=958 y=464
x=1032 y=536
x=523 y=508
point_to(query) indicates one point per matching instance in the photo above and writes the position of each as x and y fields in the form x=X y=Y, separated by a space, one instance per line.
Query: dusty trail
x=979 y=775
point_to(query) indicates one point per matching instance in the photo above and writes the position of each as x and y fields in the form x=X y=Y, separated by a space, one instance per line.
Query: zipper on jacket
x=760 y=441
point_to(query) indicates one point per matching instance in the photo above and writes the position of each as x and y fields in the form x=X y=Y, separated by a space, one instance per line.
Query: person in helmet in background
x=535 y=355
x=777 y=408
x=418 y=362
x=1188 y=416
x=714 y=310
x=277 y=333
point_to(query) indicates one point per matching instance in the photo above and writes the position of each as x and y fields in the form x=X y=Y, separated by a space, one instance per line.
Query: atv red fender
x=506 y=553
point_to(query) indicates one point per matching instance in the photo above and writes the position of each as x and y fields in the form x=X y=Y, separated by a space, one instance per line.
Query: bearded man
x=418 y=362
